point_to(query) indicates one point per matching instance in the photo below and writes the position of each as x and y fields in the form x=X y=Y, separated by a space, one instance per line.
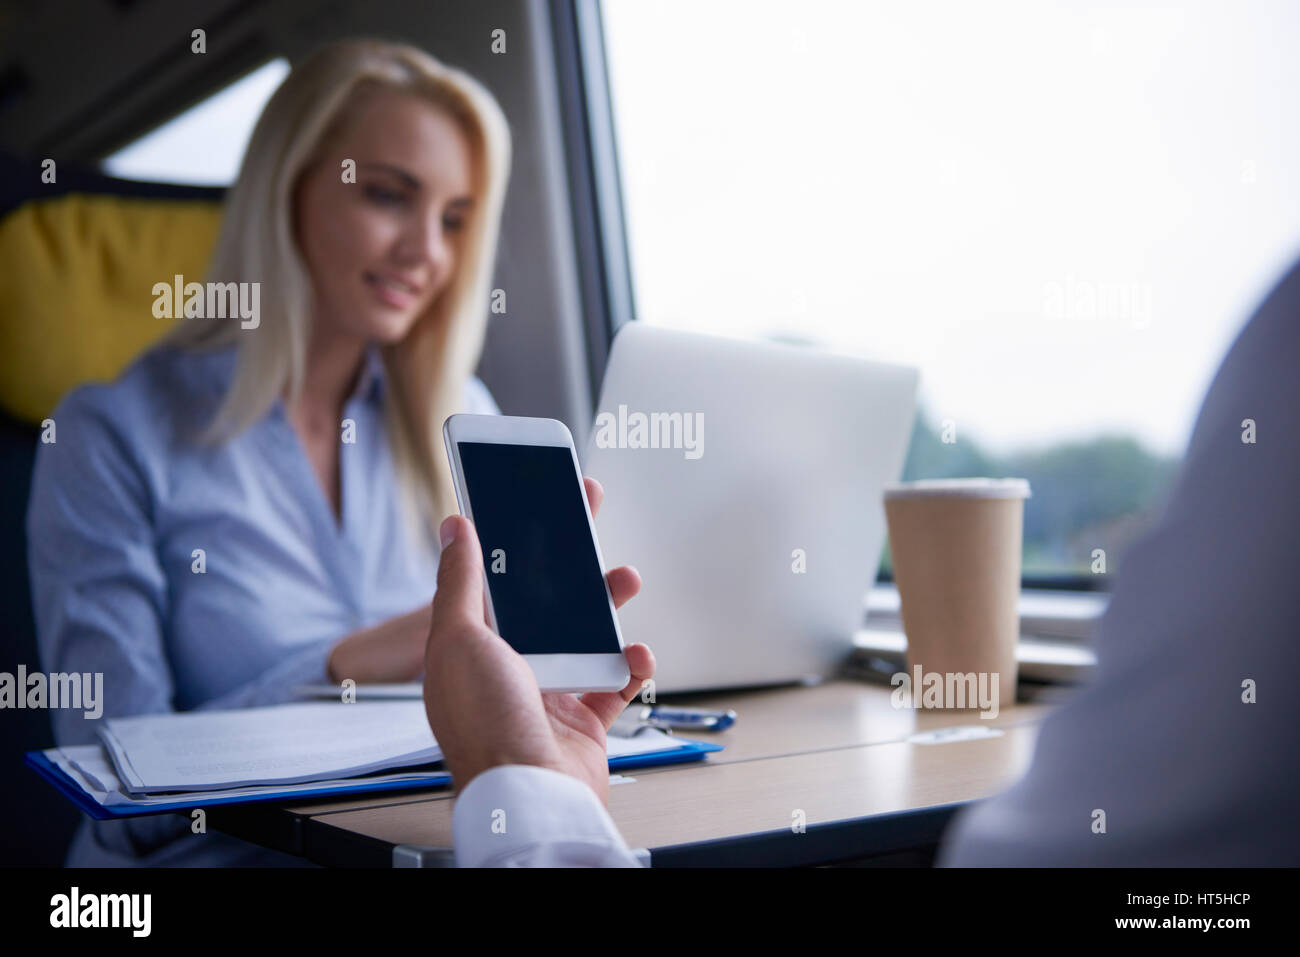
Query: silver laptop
x=743 y=480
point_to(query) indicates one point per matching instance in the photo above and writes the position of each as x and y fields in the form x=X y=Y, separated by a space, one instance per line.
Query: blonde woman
x=250 y=509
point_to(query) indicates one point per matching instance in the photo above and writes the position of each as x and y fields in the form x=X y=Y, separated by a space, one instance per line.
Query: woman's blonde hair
x=427 y=371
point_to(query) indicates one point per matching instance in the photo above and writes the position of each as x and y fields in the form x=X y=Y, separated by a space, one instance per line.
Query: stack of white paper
x=88 y=766
x=157 y=759
x=284 y=744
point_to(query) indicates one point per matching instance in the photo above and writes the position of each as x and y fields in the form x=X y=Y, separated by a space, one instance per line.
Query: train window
x=205 y=144
x=1061 y=213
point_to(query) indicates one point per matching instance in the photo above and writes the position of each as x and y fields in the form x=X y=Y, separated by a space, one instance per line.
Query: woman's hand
x=390 y=652
x=480 y=695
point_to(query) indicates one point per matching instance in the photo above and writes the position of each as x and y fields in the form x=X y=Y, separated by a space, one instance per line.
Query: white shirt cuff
x=518 y=815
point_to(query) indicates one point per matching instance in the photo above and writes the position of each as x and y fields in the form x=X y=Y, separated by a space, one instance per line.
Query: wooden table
x=865 y=779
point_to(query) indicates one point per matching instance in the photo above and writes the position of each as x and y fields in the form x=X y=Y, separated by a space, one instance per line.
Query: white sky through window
x=1061 y=212
x=205 y=144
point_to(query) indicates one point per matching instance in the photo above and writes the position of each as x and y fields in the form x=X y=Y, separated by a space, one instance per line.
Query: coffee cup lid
x=961 y=487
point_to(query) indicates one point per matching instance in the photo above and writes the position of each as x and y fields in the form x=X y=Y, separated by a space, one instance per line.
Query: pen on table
x=666 y=718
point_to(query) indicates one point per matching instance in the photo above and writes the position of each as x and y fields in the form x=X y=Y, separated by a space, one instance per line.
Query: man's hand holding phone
x=482 y=698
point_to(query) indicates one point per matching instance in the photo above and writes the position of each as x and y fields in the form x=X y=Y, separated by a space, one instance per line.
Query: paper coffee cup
x=956 y=546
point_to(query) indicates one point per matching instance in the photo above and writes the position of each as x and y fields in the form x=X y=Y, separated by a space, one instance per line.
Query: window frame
x=595 y=186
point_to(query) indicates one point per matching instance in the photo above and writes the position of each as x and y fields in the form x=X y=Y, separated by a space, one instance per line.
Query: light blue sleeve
x=99 y=593
x=276 y=685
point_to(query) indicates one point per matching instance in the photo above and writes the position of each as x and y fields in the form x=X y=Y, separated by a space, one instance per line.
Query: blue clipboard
x=689 y=751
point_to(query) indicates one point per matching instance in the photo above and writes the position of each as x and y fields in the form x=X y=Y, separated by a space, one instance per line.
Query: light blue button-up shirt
x=209 y=576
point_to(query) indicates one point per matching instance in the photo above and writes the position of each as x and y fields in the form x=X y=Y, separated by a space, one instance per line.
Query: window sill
x=1043 y=613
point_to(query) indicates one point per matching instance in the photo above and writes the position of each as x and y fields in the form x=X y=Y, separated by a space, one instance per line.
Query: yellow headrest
x=76 y=304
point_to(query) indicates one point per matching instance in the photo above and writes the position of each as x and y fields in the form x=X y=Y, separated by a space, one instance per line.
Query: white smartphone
x=518 y=480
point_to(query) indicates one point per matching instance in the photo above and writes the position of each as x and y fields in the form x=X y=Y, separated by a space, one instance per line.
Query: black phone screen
x=547 y=590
